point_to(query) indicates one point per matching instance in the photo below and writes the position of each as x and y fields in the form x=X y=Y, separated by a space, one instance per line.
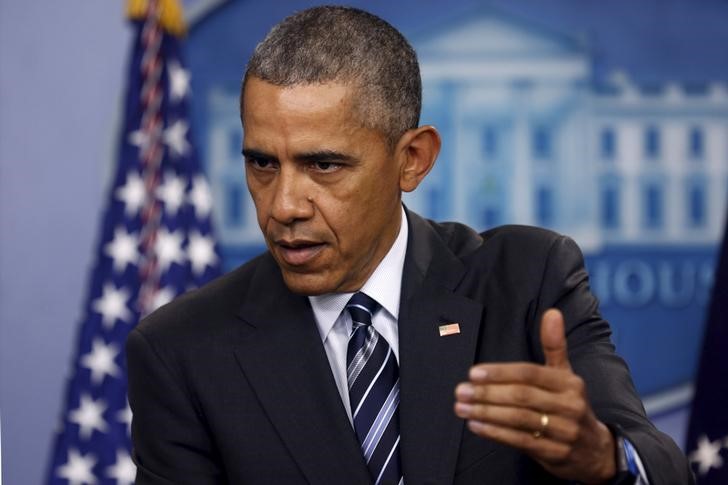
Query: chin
x=307 y=285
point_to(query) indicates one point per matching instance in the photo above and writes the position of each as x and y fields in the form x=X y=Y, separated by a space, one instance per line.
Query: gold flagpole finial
x=171 y=15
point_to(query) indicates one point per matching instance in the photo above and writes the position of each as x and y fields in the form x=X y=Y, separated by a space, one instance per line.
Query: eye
x=261 y=163
x=325 y=167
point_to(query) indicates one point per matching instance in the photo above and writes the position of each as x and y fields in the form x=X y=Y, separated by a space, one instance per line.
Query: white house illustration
x=531 y=138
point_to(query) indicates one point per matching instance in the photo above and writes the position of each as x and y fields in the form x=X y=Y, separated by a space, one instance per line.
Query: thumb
x=553 y=339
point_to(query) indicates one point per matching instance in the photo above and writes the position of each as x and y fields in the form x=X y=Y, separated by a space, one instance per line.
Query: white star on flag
x=124 y=470
x=179 y=80
x=139 y=138
x=112 y=305
x=201 y=252
x=123 y=249
x=124 y=416
x=78 y=469
x=89 y=416
x=132 y=194
x=162 y=297
x=142 y=138
x=169 y=248
x=101 y=361
x=175 y=137
x=707 y=455
x=201 y=197
x=172 y=192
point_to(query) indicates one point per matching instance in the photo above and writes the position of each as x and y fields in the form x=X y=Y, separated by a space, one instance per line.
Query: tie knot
x=361 y=308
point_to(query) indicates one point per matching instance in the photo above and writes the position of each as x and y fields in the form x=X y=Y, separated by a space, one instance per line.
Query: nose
x=290 y=199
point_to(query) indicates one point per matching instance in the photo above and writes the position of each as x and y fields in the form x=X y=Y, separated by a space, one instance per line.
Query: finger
x=570 y=404
x=556 y=428
x=553 y=339
x=542 y=448
x=521 y=373
x=516 y=395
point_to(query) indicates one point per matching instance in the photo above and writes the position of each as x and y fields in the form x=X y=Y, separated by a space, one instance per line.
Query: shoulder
x=204 y=310
x=530 y=245
x=510 y=256
x=508 y=241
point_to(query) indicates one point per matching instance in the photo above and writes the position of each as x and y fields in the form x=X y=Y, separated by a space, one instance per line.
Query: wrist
x=607 y=469
x=626 y=472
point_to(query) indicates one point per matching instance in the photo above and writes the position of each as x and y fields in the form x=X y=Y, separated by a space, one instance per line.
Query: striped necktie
x=373 y=377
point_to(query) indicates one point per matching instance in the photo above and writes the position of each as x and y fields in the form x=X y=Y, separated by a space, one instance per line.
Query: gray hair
x=348 y=45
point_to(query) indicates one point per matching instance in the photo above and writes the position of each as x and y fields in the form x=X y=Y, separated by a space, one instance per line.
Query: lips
x=298 y=252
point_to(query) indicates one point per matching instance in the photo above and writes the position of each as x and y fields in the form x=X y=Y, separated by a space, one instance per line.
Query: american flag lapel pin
x=449 y=329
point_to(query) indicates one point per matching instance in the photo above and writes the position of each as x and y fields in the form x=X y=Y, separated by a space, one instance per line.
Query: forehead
x=301 y=116
x=261 y=98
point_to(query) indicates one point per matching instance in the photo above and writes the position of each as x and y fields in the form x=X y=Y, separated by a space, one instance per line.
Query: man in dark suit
x=496 y=365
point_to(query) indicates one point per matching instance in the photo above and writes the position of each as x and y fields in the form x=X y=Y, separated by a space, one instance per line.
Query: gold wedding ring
x=544 y=425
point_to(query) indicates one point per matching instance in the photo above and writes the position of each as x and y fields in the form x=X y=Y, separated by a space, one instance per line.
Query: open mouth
x=298 y=252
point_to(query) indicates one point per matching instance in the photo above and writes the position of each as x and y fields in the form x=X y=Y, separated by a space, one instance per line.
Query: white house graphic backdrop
x=541 y=125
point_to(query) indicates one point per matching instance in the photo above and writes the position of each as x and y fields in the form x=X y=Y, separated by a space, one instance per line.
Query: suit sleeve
x=612 y=394
x=171 y=443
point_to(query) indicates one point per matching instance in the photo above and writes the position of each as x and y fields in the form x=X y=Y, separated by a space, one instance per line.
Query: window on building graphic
x=610 y=207
x=491 y=217
x=652 y=142
x=607 y=144
x=490 y=142
x=545 y=206
x=696 y=143
x=696 y=205
x=653 y=206
x=234 y=206
x=541 y=143
x=236 y=145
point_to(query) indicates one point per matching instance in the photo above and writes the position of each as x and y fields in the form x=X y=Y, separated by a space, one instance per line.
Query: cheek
x=342 y=218
x=359 y=221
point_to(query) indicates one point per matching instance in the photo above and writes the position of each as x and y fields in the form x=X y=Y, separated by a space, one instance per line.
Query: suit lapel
x=430 y=365
x=281 y=355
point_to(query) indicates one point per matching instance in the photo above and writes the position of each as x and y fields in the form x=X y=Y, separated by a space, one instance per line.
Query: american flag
x=156 y=243
x=707 y=436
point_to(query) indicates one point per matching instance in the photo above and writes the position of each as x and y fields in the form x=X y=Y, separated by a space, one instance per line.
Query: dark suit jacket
x=231 y=383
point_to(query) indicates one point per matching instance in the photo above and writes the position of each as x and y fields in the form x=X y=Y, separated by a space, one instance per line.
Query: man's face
x=326 y=189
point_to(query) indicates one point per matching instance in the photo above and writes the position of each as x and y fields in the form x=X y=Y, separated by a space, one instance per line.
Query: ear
x=417 y=150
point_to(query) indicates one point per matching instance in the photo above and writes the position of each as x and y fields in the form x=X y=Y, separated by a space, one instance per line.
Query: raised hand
x=542 y=410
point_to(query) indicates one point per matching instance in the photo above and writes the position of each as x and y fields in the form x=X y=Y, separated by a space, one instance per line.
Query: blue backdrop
x=603 y=120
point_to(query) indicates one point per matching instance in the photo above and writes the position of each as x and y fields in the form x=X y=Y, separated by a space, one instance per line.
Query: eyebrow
x=325 y=156
x=318 y=156
x=251 y=153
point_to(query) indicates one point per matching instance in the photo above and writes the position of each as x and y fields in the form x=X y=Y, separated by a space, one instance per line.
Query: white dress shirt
x=334 y=324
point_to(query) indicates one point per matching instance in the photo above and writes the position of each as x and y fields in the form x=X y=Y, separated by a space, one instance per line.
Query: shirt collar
x=384 y=285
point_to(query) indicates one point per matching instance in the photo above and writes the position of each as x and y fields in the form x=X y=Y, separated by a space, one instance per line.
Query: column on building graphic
x=512 y=100
x=235 y=215
x=661 y=160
